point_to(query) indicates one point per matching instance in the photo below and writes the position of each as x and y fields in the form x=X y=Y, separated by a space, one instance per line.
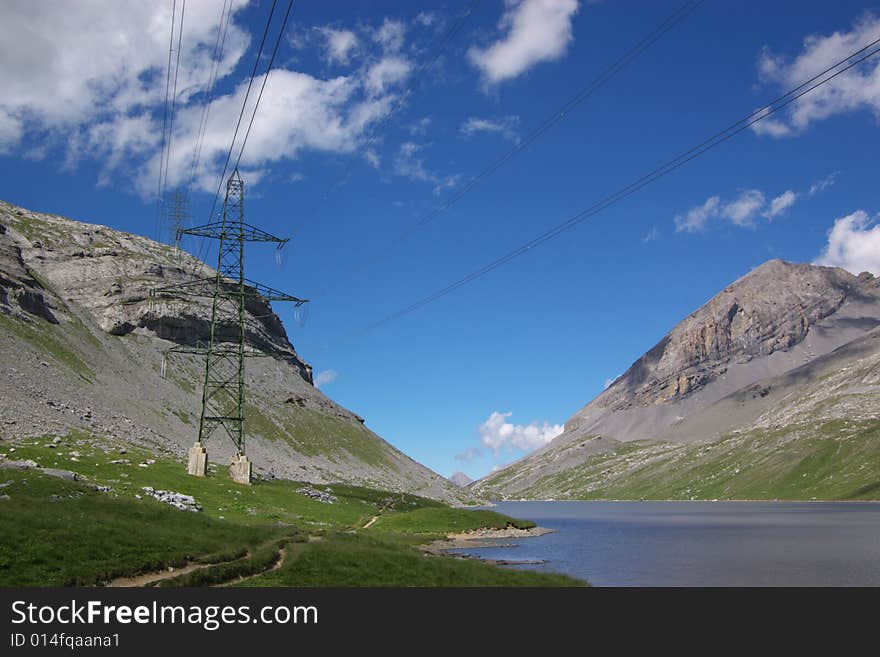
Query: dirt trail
x=145 y=579
x=282 y=555
x=370 y=522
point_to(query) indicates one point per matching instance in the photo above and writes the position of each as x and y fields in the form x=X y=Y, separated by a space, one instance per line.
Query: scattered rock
x=27 y=464
x=316 y=494
x=5 y=497
x=177 y=500
x=61 y=474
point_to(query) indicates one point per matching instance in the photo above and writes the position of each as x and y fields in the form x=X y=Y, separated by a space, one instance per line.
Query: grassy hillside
x=59 y=532
x=836 y=460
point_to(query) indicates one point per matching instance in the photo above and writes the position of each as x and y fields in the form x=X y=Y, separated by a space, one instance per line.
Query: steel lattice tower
x=223 y=389
x=177 y=212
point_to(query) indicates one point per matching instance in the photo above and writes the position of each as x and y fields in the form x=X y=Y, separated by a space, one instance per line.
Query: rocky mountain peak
x=769 y=309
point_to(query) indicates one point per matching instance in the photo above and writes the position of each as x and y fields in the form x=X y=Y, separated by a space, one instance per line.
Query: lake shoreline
x=479 y=538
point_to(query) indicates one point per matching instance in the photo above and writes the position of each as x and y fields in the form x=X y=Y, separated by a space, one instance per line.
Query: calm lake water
x=701 y=543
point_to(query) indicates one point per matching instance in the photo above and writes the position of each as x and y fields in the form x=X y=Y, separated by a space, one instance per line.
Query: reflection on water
x=702 y=543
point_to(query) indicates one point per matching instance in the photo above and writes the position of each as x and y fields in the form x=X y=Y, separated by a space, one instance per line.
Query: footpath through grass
x=59 y=532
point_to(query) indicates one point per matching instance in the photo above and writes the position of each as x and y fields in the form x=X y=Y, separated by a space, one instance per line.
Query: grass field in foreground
x=59 y=532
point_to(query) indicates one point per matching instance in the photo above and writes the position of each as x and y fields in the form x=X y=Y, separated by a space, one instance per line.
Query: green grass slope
x=836 y=460
x=59 y=532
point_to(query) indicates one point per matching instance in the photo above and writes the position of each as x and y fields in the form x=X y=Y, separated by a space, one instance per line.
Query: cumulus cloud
x=741 y=211
x=297 y=112
x=390 y=35
x=504 y=126
x=497 y=434
x=324 y=377
x=54 y=77
x=853 y=244
x=385 y=73
x=857 y=89
x=536 y=31
x=339 y=44
x=825 y=183
x=780 y=204
x=694 y=220
x=106 y=103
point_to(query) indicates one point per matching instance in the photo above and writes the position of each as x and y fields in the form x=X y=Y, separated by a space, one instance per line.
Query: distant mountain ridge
x=713 y=375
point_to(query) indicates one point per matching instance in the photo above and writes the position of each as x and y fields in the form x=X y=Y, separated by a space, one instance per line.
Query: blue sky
x=486 y=373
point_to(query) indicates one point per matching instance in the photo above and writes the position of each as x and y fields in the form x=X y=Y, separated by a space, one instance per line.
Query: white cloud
x=62 y=93
x=853 y=244
x=497 y=434
x=419 y=127
x=426 y=18
x=743 y=209
x=11 y=130
x=780 y=204
x=469 y=454
x=409 y=164
x=858 y=88
x=372 y=157
x=297 y=112
x=825 y=183
x=390 y=35
x=695 y=219
x=324 y=377
x=503 y=126
x=386 y=72
x=537 y=31
x=339 y=44
x=100 y=60
x=652 y=236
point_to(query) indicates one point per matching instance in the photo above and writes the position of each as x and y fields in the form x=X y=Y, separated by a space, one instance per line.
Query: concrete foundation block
x=197 y=464
x=240 y=469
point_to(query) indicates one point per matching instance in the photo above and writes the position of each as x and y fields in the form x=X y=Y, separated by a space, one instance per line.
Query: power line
x=165 y=125
x=373 y=135
x=263 y=86
x=243 y=107
x=717 y=139
x=597 y=83
x=216 y=58
x=256 y=104
x=173 y=99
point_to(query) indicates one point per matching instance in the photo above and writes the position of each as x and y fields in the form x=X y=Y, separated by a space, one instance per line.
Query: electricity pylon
x=177 y=212
x=223 y=388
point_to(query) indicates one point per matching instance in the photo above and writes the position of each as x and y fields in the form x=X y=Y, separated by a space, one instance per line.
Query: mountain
x=460 y=479
x=81 y=345
x=770 y=389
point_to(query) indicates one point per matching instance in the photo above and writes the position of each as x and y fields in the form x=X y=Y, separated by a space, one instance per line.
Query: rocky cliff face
x=771 y=309
x=81 y=342
x=717 y=370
